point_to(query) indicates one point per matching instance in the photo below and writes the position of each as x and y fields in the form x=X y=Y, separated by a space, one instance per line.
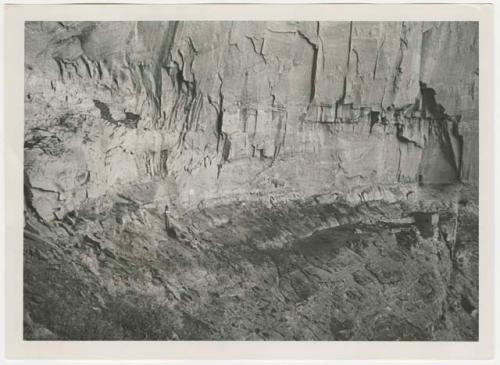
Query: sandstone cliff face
x=322 y=179
x=225 y=110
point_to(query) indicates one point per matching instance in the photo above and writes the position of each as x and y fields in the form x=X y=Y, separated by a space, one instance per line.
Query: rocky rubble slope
x=301 y=270
x=294 y=157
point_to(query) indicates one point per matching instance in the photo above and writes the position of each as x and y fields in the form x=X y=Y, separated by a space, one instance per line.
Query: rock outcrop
x=236 y=108
x=320 y=118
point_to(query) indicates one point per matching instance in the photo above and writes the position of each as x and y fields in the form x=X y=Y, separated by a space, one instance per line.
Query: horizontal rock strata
x=232 y=108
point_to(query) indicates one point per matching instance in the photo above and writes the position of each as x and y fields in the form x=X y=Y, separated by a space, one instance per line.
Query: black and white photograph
x=251 y=180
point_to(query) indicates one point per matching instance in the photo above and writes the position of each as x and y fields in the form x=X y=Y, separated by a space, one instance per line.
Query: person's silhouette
x=166 y=213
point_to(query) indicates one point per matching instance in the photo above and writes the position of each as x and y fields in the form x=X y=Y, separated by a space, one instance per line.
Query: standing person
x=167 y=218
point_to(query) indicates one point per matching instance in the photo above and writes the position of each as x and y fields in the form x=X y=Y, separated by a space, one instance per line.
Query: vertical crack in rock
x=322 y=48
x=403 y=45
x=314 y=65
x=220 y=112
x=164 y=57
x=379 y=49
x=226 y=150
x=279 y=138
x=341 y=101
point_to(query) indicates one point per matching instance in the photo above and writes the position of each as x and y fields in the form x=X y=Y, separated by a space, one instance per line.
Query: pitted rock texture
x=294 y=157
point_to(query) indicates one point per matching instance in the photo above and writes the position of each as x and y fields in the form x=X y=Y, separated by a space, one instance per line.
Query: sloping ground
x=255 y=270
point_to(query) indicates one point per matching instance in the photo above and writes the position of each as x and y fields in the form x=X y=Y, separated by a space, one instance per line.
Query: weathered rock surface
x=293 y=155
